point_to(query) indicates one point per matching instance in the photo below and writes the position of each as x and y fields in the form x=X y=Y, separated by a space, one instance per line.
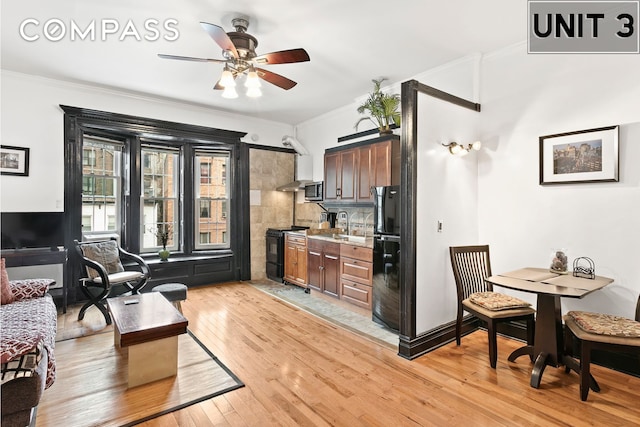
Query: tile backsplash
x=359 y=220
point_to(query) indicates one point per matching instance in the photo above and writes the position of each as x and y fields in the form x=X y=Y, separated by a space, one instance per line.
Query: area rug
x=91 y=384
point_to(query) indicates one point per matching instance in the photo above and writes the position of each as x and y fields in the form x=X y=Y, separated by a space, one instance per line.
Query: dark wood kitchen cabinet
x=378 y=165
x=323 y=266
x=340 y=175
x=350 y=172
x=356 y=275
x=295 y=259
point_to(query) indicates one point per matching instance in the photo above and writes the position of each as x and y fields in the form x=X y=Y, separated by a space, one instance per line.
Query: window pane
x=205 y=209
x=101 y=184
x=159 y=200
x=205 y=173
x=86 y=223
x=212 y=197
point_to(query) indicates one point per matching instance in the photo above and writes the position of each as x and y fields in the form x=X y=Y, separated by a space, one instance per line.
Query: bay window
x=134 y=178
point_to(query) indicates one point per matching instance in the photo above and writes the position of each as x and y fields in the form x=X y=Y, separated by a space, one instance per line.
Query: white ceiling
x=349 y=42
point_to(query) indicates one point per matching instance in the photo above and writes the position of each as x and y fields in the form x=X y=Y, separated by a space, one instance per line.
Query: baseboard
x=435 y=338
x=429 y=341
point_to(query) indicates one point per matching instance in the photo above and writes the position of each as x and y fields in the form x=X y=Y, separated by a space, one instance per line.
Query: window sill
x=153 y=259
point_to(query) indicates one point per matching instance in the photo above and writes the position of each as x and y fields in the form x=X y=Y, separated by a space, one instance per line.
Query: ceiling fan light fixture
x=226 y=79
x=229 y=92
x=253 y=81
x=254 y=92
x=240 y=59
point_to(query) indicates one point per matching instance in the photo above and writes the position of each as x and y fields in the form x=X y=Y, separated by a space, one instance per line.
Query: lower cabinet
x=295 y=259
x=357 y=293
x=356 y=275
x=323 y=266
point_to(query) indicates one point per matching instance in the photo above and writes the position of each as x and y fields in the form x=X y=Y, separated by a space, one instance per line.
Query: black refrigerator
x=386 y=257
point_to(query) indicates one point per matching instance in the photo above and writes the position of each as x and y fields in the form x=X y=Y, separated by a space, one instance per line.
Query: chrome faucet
x=366 y=224
x=343 y=220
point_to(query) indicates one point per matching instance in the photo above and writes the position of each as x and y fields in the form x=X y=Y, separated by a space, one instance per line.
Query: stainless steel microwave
x=313 y=192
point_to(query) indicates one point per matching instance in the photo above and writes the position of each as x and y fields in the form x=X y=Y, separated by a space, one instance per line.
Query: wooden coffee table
x=148 y=326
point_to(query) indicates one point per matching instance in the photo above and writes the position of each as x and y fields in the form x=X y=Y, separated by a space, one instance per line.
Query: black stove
x=275 y=251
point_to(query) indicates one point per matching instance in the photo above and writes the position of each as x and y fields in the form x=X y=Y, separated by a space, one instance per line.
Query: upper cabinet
x=351 y=171
x=340 y=175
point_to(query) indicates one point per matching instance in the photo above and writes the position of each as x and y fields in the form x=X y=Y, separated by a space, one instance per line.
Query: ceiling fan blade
x=220 y=36
x=190 y=58
x=283 y=57
x=275 y=79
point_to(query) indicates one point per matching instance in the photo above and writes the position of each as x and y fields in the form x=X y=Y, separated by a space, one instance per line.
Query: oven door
x=274 y=248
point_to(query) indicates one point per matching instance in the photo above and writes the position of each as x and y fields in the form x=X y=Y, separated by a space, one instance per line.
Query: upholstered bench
x=174 y=292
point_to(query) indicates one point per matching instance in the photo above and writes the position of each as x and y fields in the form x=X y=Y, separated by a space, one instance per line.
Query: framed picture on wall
x=14 y=160
x=581 y=156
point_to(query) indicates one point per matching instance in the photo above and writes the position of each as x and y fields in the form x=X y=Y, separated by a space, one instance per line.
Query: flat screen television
x=21 y=230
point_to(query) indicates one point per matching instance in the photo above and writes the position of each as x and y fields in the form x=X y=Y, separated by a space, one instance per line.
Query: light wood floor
x=301 y=370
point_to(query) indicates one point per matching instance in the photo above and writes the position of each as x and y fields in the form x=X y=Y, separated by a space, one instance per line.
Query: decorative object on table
x=162 y=232
x=382 y=109
x=581 y=156
x=584 y=267
x=14 y=160
x=559 y=262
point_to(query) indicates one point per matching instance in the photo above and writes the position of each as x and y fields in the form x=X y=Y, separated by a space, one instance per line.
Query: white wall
x=31 y=117
x=447 y=191
x=493 y=196
x=528 y=96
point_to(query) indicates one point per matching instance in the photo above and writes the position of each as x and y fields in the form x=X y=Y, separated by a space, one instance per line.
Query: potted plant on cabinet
x=382 y=109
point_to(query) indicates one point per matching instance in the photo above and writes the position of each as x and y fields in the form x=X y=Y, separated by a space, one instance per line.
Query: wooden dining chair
x=471 y=266
x=597 y=331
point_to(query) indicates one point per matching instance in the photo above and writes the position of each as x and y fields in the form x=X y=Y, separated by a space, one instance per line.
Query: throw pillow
x=496 y=301
x=30 y=288
x=105 y=254
x=7 y=295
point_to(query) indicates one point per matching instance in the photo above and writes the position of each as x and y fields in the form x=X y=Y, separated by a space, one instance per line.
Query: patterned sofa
x=27 y=338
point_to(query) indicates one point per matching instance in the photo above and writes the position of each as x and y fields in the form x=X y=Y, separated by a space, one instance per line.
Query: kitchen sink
x=349 y=238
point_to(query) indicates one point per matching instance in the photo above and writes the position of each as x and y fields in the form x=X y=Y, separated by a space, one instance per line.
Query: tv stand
x=33 y=263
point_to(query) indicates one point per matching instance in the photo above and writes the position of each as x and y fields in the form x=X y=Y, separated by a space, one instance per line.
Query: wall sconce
x=461 y=150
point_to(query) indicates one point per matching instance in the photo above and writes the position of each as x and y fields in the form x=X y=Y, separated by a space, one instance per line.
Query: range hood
x=297 y=183
x=294 y=185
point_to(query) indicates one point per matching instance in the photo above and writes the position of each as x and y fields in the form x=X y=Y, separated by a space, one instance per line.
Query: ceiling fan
x=240 y=58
